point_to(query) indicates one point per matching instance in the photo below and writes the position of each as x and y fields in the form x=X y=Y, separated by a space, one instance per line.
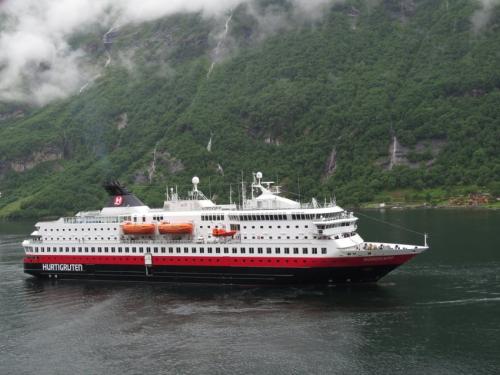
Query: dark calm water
x=439 y=314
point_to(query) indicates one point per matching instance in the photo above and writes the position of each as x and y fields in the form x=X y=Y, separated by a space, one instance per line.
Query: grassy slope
x=316 y=87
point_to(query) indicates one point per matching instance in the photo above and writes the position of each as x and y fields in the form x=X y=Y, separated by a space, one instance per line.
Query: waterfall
x=216 y=56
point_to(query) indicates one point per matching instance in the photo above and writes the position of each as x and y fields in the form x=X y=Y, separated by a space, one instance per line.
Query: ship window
x=295 y=250
x=304 y=250
x=202 y=250
x=250 y=250
x=234 y=250
x=259 y=250
x=99 y=250
x=323 y=250
x=177 y=249
x=193 y=250
x=288 y=226
x=73 y=250
x=209 y=250
x=134 y=249
x=278 y=251
x=270 y=226
x=170 y=250
x=79 y=249
x=163 y=249
x=92 y=249
x=226 y=250
x=314 y=250
x=243 y=250
x=268 y=250
x=186 y=250
x=60 y=249
x=119 y=249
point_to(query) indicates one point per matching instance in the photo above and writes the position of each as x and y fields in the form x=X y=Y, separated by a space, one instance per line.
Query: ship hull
x=345 y=273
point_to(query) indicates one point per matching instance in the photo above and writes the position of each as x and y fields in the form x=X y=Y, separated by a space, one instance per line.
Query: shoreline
x=410 y=206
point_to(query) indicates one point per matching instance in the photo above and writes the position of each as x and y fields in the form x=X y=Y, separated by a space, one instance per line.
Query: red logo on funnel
x=118 y=200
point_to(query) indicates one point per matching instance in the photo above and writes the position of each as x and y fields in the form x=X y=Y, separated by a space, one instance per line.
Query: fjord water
x=438 y=314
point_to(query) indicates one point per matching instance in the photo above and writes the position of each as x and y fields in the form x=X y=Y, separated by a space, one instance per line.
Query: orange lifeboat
x=175 y=228
x=219 y=232
x=138 y=228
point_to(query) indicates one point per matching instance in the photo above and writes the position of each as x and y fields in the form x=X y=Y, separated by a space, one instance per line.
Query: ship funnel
x=120 y=196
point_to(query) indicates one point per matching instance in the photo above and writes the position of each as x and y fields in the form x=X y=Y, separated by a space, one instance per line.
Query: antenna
x=195 y=181
x=298 y=185
x=230 y=194
x=243 y=192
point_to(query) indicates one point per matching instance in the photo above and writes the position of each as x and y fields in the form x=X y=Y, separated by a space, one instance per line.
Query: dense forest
x=366 y=100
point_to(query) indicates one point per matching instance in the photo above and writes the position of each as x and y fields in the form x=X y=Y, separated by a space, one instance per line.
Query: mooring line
x=392 y=224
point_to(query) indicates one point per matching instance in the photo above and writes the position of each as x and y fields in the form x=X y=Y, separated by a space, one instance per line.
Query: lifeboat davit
x=175 y=228
x=138 y=228
x=219 y=232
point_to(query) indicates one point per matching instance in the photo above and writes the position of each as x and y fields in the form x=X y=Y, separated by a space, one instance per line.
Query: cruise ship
x=267 y=239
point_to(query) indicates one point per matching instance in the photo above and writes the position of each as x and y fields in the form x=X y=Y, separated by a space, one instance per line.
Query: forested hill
x=367 y=98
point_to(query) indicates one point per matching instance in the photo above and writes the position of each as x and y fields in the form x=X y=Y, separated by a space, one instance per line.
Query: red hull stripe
x=224 y=261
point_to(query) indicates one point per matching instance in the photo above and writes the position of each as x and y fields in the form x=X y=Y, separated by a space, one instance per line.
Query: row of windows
x=76 y=229
x=212 y=217
x=179 y=250
x=266 y=217
x=335 y=225
x=258 y=217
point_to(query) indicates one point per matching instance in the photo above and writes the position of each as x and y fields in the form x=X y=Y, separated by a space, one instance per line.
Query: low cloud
x=482 y=16
x=38 y=63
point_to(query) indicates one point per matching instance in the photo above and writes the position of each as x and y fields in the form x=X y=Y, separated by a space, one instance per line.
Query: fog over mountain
x=37 y=63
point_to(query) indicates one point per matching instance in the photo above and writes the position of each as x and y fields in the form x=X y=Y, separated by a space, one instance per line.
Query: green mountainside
x=369 y=99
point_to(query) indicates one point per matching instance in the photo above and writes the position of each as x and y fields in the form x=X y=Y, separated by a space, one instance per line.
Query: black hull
x=226 y=275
